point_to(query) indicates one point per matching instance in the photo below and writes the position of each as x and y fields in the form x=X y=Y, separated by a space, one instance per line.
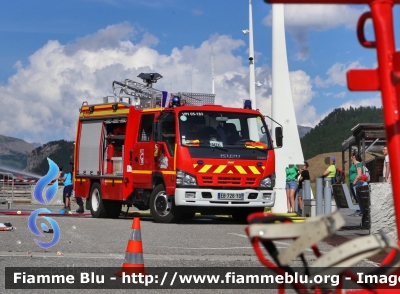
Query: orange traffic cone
x=133 y=262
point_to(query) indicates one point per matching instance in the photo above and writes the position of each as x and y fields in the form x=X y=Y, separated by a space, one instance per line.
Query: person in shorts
x=291 y=186
x=67 y=192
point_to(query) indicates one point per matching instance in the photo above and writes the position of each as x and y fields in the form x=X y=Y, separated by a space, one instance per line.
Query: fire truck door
x=166 y=149
x=143 y=154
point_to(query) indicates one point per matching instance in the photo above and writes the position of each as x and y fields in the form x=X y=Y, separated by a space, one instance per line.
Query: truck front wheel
x=96 y=202
x=162 y=207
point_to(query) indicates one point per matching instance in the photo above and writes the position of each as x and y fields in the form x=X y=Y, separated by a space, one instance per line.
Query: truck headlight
x=268 y=182
x=185 y=179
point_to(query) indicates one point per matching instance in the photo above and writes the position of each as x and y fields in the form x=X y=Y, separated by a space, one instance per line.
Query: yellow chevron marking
x=230 y=172
x=263 y=167
x=254 y=170
x=205 y=168
x=194 y=165
x=240 y=169
x=219 y=169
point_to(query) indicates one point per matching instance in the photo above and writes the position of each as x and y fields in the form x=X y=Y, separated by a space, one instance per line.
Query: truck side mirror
x=278 y=136
x=157 y=136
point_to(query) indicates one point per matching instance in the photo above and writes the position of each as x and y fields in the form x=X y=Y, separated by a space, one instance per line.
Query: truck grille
x=227 y=181
x=250 y=181
x=207 y=180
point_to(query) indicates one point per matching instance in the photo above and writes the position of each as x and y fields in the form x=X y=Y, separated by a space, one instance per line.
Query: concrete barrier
x=382 y=209
x=57 y=200
x=310 y=209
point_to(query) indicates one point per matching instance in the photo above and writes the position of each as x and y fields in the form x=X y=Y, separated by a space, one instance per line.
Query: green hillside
x=329 y=134
x=14 y=153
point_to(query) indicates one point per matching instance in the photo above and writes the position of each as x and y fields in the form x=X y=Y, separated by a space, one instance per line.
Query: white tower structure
x=212 y=70
x=283 y=109
x=252 y=79
x=252 y=85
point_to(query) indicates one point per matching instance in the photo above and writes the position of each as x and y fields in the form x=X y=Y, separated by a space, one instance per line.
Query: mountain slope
x=58 y=151
x=14 y=152
x=329 y=134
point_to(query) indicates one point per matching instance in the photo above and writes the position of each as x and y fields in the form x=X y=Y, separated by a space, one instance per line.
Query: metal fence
x=6 y=188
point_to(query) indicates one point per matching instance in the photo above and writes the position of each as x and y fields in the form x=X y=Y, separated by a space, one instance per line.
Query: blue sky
x=55 y=55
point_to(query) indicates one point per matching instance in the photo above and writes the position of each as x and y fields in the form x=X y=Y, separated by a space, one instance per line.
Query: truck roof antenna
x=150 y=78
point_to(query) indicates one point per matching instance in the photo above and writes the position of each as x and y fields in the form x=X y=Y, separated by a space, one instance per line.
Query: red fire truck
x=173 y=153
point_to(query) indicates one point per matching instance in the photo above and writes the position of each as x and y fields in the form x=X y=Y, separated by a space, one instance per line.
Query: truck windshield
x=223 y=130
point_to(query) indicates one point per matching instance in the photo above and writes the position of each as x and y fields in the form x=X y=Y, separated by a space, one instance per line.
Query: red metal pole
x=385 y=45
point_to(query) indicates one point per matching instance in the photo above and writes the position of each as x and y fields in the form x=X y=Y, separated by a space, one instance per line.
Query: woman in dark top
x=304 y=175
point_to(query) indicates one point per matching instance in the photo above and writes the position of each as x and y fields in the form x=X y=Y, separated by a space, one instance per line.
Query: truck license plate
x=236 y=196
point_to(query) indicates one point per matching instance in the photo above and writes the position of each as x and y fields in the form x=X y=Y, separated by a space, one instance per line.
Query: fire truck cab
x=173 y=153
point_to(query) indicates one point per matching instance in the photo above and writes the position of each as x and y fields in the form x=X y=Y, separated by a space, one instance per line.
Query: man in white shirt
x=386 y=166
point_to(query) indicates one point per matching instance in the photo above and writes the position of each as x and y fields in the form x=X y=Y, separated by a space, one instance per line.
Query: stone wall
x=382 y=209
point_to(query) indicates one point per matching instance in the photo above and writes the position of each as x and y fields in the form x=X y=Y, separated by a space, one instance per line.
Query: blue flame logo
x=49 y=195
x=44 y=181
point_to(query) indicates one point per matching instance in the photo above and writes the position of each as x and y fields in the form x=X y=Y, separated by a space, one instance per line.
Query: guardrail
x=7 y=188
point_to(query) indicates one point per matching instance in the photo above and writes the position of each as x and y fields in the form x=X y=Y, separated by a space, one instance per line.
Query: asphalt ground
x=87 y=242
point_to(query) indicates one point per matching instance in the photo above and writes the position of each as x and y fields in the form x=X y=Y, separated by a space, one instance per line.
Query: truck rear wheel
x=96 y=202
x=162 y=207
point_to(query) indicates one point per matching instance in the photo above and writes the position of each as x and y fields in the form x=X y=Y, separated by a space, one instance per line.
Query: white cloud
x=340 y=95
x=149 y=40
x=302 y=93
x=40 y=101
x=321 y=17
x=45 y=95
x=373 y=101
x=336 y=74
x=335 y=95
x=300 y=19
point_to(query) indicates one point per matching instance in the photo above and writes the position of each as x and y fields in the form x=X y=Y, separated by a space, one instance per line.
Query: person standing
x=386 y=166
x=60 y=171
x=355 y=173
x=67 y=192
x=291 y=186
x=331 y=170
x=304 y=175
x=58 y=178
x=79 y=200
